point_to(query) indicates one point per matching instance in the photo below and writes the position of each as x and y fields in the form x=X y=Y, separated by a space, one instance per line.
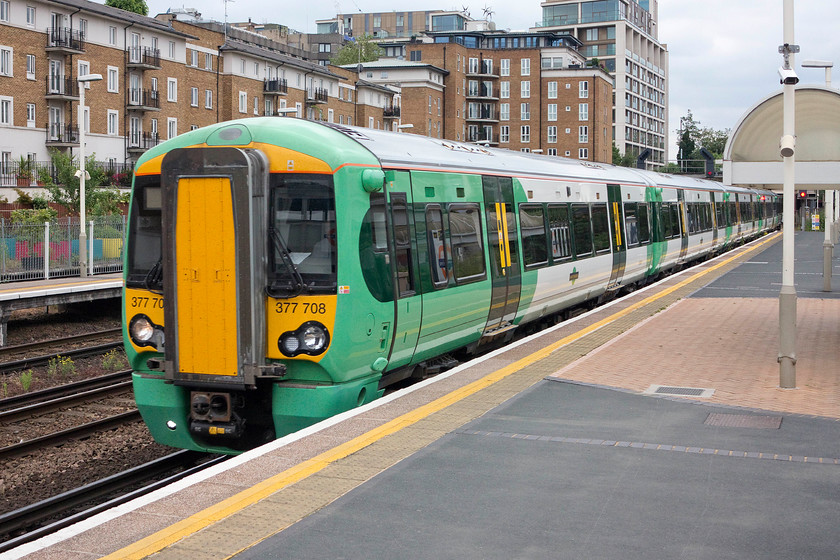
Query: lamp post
x=828 y=243
x=82 y=174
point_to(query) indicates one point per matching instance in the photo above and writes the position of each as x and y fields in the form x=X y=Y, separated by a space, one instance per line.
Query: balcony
x=485 y=114
x=484 y=69
x=484 y=91
x=60 y=135
x=276 y=86
x=481 y=137
x=142 y=58
x=66 y=40
x=143 y=100
x=140 y=142
x=316 y=96
x=391 y=113
x=58 y=87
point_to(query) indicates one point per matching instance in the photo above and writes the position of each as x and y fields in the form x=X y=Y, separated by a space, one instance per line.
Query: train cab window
x=561 y=238
x=302 y=232
x=600 y=228
x=373 y=250
x=144 y=246
x=582 y=227
x=468 y=263
x=532 y=227
x=438 y=246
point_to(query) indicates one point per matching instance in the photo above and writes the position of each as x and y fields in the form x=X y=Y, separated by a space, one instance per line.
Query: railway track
x=39 y=402
x=33 y=521
x=8 y=365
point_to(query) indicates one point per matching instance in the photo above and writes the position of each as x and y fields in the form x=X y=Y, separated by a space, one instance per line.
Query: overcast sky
x=723 y=53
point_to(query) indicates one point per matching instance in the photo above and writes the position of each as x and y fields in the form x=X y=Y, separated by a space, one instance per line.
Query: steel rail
x=29 y=446
x=31 y=518
x=25 y=363
x=29 y=346
x=37 y=409
x=59 y=391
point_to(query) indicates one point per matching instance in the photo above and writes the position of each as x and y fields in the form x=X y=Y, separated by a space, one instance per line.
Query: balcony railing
x=391 y=112
x=482 y=137
x=65 y=39
x=59 y=87
x=140 y=142
x=143 y=99
x=277 y=86
x=143 y=57
x=62 y=134
x=316 y=95
x=484 y=114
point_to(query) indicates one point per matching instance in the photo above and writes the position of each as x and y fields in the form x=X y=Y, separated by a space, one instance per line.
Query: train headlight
x=311 y=338
x=144 y=332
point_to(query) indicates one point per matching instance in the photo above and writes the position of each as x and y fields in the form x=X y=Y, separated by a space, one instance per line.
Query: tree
x=692 y=138
x=626 y=160
x=136 y=6
x=65 y=188
x=713 y=140
x=362 y=49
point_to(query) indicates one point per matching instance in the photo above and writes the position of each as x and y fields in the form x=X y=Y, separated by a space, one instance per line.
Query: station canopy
x=752 y=158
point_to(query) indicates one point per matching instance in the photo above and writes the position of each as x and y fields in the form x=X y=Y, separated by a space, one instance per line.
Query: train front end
x=233 y=309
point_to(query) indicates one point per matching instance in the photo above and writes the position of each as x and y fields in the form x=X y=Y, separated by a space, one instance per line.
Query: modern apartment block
x=160 y=78
x=527 y=91
x=623 y=36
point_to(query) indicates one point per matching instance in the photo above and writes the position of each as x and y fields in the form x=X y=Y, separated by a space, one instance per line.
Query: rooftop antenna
x=226 y=18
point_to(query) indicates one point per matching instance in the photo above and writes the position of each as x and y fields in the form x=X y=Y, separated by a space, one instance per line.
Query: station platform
x=55 y=291
x=558 y=446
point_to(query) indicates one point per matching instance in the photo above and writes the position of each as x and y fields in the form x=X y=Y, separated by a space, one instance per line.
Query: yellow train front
x=231 y=293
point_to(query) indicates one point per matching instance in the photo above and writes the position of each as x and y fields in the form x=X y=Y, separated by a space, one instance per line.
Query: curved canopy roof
x=751 y=156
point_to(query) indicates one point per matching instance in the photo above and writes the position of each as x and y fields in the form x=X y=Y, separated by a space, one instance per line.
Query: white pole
x=828 y=246
x=787 y=294
x=90 y=247
x=82 y=233
x=46 y=250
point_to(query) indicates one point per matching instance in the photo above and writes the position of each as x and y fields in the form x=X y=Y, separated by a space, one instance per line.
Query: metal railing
x=51 y=250
x=143 y=56
x=62 y=86
x=275 y=85
x=65 y=38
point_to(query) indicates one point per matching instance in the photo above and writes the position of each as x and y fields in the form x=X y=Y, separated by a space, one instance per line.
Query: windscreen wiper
x=297 y=285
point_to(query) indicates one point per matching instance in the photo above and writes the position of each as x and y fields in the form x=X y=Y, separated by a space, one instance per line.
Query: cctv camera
x=788 y=77
x=787 y=146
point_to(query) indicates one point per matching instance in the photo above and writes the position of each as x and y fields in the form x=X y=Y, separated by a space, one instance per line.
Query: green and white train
x=280 y=271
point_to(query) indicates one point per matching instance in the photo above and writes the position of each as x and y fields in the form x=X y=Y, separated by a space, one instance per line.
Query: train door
x=408 y=305
x=504 y=255
x=683 y=217
x=213 y=208
x=619 y=242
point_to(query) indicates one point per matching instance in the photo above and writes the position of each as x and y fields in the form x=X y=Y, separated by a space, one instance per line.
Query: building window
x=112 y=36
x=6 y=61
x=592 y=34
x=552 y=134
x=525 y=133
x=6 y=111
x=504 y=111
x=552 y=90
x=583 y=90
x=83 y=27
x=583 y=153
x=194 y=97
x=4 y=10
x=172 y=127
x=552 y=151
x=113 y=122
x=30 y=16
x=113 y=79
x=525 y=89
x=414 y=55
x=324 y=47
x=552 y=112
x=525 y=111
x=504 y=67
x=172 y=89
x=525 y=67
x=504 y=90
x=30 y=67
x=194 y=58
x=583 y=112
x=208 y=98
x=30 y=115
x=256 y=105
x=243 y=102
x=242 y=66
x=172 y=49
x=583 y=134
x=208 y=61
x=84 y=69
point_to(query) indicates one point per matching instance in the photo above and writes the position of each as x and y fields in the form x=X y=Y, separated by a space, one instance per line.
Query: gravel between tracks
x=47 y=473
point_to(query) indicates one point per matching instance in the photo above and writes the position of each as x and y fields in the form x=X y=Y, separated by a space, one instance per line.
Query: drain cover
x=743 y=421
x=679 y=391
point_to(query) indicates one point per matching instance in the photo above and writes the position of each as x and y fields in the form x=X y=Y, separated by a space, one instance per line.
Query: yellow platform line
x=172 y=534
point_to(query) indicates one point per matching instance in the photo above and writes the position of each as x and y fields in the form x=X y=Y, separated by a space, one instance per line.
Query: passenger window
x=402 y=246
x=532 y=226
x=644 y=223
x=558 y=224
x=600 y=228
x=438 y=250
x=467 y=250
x=583 y=230
x=631 y=224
